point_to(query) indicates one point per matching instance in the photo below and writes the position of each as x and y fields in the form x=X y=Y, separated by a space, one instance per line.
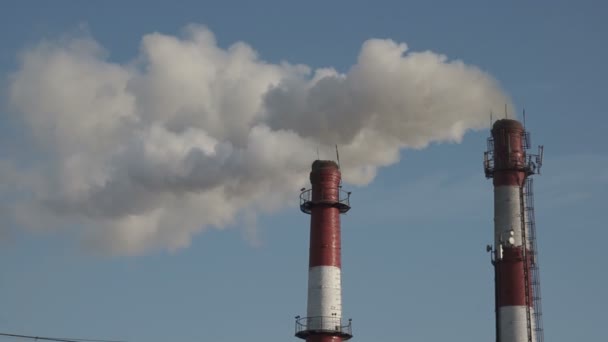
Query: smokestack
x=517 y=284
x=324 y=203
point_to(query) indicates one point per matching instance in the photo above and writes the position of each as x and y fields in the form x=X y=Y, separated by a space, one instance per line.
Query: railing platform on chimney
x=307 y=326
x=342 y=202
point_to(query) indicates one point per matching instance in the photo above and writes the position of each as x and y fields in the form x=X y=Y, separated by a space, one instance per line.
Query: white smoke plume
x=190 y=136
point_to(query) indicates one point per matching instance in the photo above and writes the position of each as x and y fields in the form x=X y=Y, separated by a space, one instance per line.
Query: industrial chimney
x=324 y=203
x=517 y=284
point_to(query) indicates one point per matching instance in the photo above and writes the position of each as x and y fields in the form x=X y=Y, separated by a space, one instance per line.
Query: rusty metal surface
x=325 y=236
x=509 y=152
x=510 y=278
x=325 y=240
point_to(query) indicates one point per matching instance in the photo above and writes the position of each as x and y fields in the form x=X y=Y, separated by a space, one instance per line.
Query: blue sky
x=414 y=260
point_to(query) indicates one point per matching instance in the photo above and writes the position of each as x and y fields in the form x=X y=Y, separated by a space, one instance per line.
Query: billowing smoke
x=189 y=135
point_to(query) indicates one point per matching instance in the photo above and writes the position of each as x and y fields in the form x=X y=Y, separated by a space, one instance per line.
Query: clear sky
x=414 y=260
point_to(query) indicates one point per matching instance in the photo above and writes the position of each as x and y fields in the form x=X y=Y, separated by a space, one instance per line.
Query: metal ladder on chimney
x=530 y=262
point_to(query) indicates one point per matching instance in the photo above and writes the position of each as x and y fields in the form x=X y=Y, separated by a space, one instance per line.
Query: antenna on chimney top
x=338 y=156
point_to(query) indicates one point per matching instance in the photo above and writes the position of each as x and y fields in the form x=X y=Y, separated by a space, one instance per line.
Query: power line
x=42 y=338
x=91 y=340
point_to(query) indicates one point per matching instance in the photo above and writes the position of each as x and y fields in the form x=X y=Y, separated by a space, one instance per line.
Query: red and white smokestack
x=324 y=202
x=509 y=166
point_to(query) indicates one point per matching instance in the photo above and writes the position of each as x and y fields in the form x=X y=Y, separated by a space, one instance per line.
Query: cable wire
x=60 y=339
